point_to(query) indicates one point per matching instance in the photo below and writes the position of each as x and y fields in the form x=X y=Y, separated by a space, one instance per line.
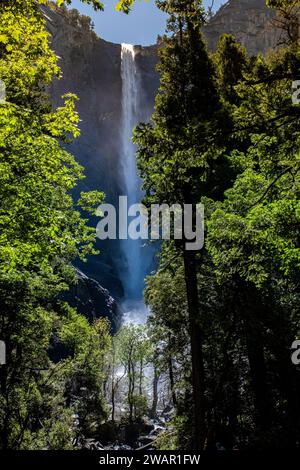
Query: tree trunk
x=131 y=386
x=5 y=423
x=113 y=402
x=289 y=380
x=171 y=378
x=254 y=312
x=290 y=389
x=258 y=379
x=196 y=337
x=155 y=394
x=113 y=406
x=141 y=378
x=129 y=391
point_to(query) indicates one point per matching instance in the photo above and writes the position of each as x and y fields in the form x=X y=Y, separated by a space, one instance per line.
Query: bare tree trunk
x=113 y=406
x=171 y=378
x=131 y=386
x=141 y=378
x=129 y=391
x=153 y=410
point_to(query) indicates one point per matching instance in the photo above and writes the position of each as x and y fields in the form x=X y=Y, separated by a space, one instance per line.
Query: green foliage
x=90 y=201
x=96 y=4
x=41 y=233
x=245 y=169
x=166 y=296
x=88 y=346
x=122 y=5
x=182 y=157
x=224 y=132
x=140 y=405
x=133 y=351
x=176 y=151
x=282 y=3
x=174 y=437
x=231 y=62
x=254 y=232
x=132 y=344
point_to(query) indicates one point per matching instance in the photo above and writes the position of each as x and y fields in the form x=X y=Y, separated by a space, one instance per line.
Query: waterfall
x=135 y=255
x=132 y=275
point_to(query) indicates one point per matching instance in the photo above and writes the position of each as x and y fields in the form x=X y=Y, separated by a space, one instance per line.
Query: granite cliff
x=92 y=69
x=250 y=21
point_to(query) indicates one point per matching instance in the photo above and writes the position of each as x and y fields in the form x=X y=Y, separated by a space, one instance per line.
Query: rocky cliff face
x=92 y=69
x=250 y=21
x=92 y=300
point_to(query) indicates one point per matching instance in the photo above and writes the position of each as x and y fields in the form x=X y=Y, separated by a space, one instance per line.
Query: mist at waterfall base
x=136 y=255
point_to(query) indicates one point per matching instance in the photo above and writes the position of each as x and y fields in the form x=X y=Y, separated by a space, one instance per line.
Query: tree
x=287 y=18
x=133 y=351
x=244 y=282
x=231 y=62
x=89 y=346
x=41 y=230
x=253 y=234
x=180 y=154
x=122 y=5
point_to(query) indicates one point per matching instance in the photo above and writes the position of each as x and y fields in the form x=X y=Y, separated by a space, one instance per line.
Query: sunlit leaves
x=41 y=233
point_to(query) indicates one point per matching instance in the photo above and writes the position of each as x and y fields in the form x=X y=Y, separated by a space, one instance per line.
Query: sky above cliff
x=141 y=26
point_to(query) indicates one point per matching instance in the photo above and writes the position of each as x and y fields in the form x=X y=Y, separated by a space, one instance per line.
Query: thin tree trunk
x=289 y=380
x=171 y=378
x=258 y=379
x=129 y=390
x=153 y=410
x=141 y=378
x=196 y=337
x=131 y=386
x=3 y=385
x=113 y=407
x=254 y=313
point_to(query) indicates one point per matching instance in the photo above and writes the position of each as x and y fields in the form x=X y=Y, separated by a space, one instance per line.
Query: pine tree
x=178 y=152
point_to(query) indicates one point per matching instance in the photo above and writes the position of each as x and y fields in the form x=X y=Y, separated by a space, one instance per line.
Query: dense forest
x=212 y=367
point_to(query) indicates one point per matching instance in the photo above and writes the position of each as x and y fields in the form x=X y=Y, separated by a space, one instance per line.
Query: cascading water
x=132 y=276
x=135 y=256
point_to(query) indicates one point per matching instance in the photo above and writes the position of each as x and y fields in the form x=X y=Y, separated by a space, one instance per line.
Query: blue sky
x=141 y=26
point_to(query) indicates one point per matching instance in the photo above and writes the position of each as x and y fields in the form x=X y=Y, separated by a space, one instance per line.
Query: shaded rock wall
x=92 y=300
x=92 y=70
